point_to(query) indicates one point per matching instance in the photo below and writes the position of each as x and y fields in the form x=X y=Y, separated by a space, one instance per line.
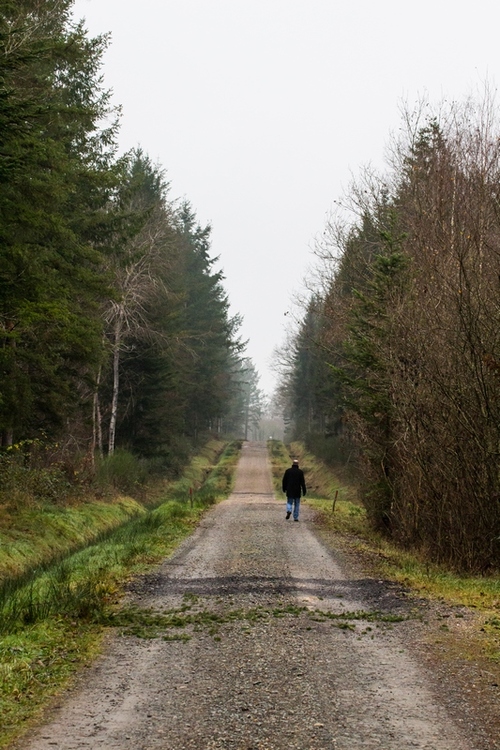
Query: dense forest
x=116 y=331
x=115 y=325
x=394 y=368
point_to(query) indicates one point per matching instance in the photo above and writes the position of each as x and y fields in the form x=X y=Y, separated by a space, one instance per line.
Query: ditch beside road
x=259 y=635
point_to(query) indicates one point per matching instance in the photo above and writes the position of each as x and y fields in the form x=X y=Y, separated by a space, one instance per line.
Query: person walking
x=293 y=484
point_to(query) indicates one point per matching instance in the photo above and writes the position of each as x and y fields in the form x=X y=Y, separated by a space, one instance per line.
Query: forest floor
x=262 y=634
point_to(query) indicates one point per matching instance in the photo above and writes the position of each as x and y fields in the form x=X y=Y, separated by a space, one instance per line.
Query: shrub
x=122 y=470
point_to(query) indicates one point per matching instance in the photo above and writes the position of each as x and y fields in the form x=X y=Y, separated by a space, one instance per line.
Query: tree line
x=395 y=366
x=115 y=325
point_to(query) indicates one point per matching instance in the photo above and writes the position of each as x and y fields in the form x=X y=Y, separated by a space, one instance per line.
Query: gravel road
x=288 y=648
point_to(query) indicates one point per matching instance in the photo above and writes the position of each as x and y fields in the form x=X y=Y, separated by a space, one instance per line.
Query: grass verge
x=42 y=529
x=51 y=621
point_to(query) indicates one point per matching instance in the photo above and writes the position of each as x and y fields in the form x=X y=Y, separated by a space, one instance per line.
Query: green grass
x=151 y=624
x=51 y=617
x=35 y=663
x=40 y=535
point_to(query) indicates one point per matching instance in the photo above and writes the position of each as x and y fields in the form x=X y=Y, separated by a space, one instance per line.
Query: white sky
x=262 y=110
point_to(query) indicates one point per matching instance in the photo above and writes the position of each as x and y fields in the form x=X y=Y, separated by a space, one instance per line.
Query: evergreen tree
x=247 y=401
x=177 y=367
x=137 y=264
x=311 y=379
x=209 y=332
x=55 y=179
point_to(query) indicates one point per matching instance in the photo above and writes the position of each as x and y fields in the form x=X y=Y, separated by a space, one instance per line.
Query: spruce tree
x=55 y=179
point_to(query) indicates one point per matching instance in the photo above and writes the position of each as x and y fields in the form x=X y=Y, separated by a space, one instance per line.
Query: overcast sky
x=261 y=111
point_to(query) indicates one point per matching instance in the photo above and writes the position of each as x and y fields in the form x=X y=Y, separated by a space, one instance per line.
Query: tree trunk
x=96 y=421
x=116 y=383
x=7 y=437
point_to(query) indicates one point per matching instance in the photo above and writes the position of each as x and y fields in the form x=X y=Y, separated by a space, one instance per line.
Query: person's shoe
x=296 y=519
x=288 y=514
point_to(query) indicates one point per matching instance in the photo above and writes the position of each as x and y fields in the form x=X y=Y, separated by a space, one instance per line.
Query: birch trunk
x=116 y=382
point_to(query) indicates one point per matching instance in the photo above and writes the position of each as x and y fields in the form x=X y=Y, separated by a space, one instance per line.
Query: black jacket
x=293 y=482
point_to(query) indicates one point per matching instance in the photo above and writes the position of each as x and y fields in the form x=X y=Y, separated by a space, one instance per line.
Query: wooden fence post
x=335 y=500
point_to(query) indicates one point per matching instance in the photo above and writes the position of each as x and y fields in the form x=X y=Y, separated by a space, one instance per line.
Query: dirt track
x=268 y=678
